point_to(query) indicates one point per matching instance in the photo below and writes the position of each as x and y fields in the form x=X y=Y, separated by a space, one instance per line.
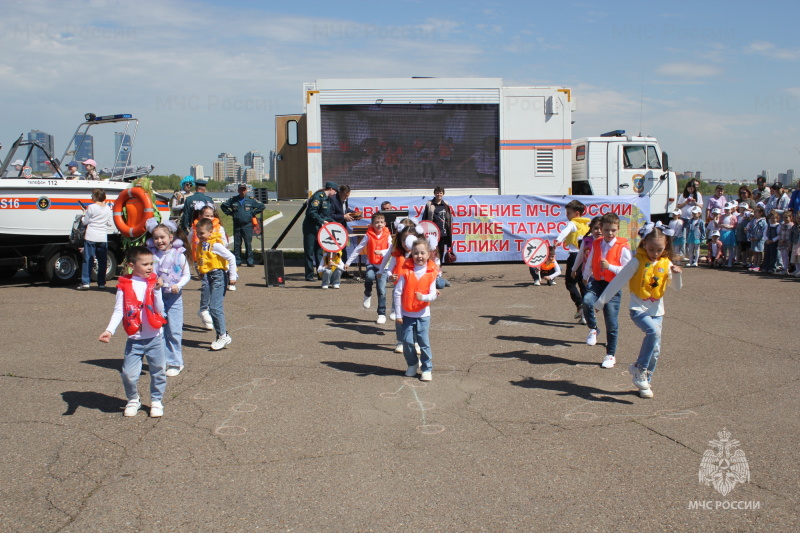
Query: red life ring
x=139 y=208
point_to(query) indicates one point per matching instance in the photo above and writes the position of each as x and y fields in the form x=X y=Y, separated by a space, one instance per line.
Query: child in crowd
x=576 y=227
x=647 y=274
x=413 y=292
x=695 y=235
x=395 y=262
x=331 y=269
x=206 y=212
x=215 y=263
x=676 y=225
x=727 y=232
x=172 y=268
x=756 y=234
x=608 y=256
x=771 y=242
x=713 y=222
x=716 y=257
x=743 y=244
x=377 y=241
x=795 y=245
x=139 y=308
x=582 y=267
x=548 y=271
x=784 y=241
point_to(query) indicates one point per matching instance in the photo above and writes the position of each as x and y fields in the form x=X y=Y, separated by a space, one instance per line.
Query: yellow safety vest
x=651 y=278
x=207 y=258
x=582 y=223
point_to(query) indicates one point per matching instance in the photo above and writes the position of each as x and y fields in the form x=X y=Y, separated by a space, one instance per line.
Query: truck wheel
x=63 y=268
x=7 y=272
x=111 y=268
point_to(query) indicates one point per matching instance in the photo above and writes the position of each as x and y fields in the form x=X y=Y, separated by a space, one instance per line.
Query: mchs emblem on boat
x=724 y=466
x=43 y=203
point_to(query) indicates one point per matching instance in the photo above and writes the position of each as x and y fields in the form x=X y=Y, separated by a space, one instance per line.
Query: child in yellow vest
x=378 y=243
x=414 y=291
x=577 y=226
x=217 y=266
x=331 y=269
x=647 y=274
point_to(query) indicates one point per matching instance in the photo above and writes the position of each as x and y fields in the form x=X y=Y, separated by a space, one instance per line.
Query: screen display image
x=411 y=146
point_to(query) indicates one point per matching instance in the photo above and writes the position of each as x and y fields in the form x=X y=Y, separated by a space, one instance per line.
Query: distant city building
x=196 y=171
x=122 y=149
x=219 y=171
x=228 y=171
x=765 y=173
x=83 y=148
x=698 y=175
x=789 y=177
x=238 y=173
x=272 y=165
x=250 y=175
x=253 y=159
x=39 y=162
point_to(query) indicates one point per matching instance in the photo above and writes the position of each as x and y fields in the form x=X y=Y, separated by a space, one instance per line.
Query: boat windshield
x=30 y=160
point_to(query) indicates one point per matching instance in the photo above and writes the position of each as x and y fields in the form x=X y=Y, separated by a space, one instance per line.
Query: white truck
x=402 y=137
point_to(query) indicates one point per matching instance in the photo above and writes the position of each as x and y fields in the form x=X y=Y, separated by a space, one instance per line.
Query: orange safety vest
x=132 y=307
x=399 y=263
x=413 y=285
x=548 y=266
x=376 y=243
x=613 y=257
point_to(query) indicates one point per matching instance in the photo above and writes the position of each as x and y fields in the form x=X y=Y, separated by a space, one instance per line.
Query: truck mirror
x=664 y=162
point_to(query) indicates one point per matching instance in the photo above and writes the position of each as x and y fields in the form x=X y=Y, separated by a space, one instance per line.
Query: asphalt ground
x=307 y=423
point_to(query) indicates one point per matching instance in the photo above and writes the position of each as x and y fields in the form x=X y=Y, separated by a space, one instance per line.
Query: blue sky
x=718 y=83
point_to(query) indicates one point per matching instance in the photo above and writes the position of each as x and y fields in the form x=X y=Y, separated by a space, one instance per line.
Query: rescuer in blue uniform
x=318 y=212
x=242 y=209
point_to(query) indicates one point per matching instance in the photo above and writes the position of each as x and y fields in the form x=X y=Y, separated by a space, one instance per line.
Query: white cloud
x=769 y=49
x=688 y=70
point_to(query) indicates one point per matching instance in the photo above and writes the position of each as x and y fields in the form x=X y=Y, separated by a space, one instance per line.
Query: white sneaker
x=639 y=377
x=205 y=316
x=398 y=348
x=536 y=283
x=324 y=286
x=83 y=287
x=551 y=282
x=582 y=319
x=416 y=347
x=412 y=371
x=133 y=407
x=367 y=302
x=591 y=338
x=336 y=286
x=156 y=409
x=609 y=361
x=221 y=342
x=381 y=319
x=426 y=376
x=174 y=371
x=646 y=393
x=392 y=316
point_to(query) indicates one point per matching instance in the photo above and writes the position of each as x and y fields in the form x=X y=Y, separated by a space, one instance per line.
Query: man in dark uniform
x=189 y=206
x=318 y=212
x=242 y=209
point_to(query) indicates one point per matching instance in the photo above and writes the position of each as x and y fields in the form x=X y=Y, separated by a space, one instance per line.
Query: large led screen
x=410 y=146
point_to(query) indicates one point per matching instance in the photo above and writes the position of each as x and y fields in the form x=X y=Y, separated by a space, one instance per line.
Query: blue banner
x=495 y=228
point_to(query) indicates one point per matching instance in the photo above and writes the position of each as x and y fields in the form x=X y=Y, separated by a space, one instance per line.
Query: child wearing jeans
x=413 y=292
x=331 y=269
x=209 y=212
x=172 y=268
x=647 y=275
x=215 y=263
x=139 y=308
x=784 y=240
x=378 y=243
x=607 y=258
x=395 y=262
x=695 y=235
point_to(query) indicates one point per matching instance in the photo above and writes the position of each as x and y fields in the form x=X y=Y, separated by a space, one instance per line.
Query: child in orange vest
x=647 y=275
x=139 y=307
x=378 y=243
x=548 y=271
x=607 y=258
x=413 y=292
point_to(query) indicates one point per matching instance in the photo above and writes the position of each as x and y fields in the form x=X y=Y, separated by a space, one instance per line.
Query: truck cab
x=615 y=164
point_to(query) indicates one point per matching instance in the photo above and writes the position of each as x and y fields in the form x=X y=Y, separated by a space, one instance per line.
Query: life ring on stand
x=138 y=207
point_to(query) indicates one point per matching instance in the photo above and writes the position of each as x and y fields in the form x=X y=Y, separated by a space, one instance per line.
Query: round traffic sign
x=535 y=251
x=332 y=237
